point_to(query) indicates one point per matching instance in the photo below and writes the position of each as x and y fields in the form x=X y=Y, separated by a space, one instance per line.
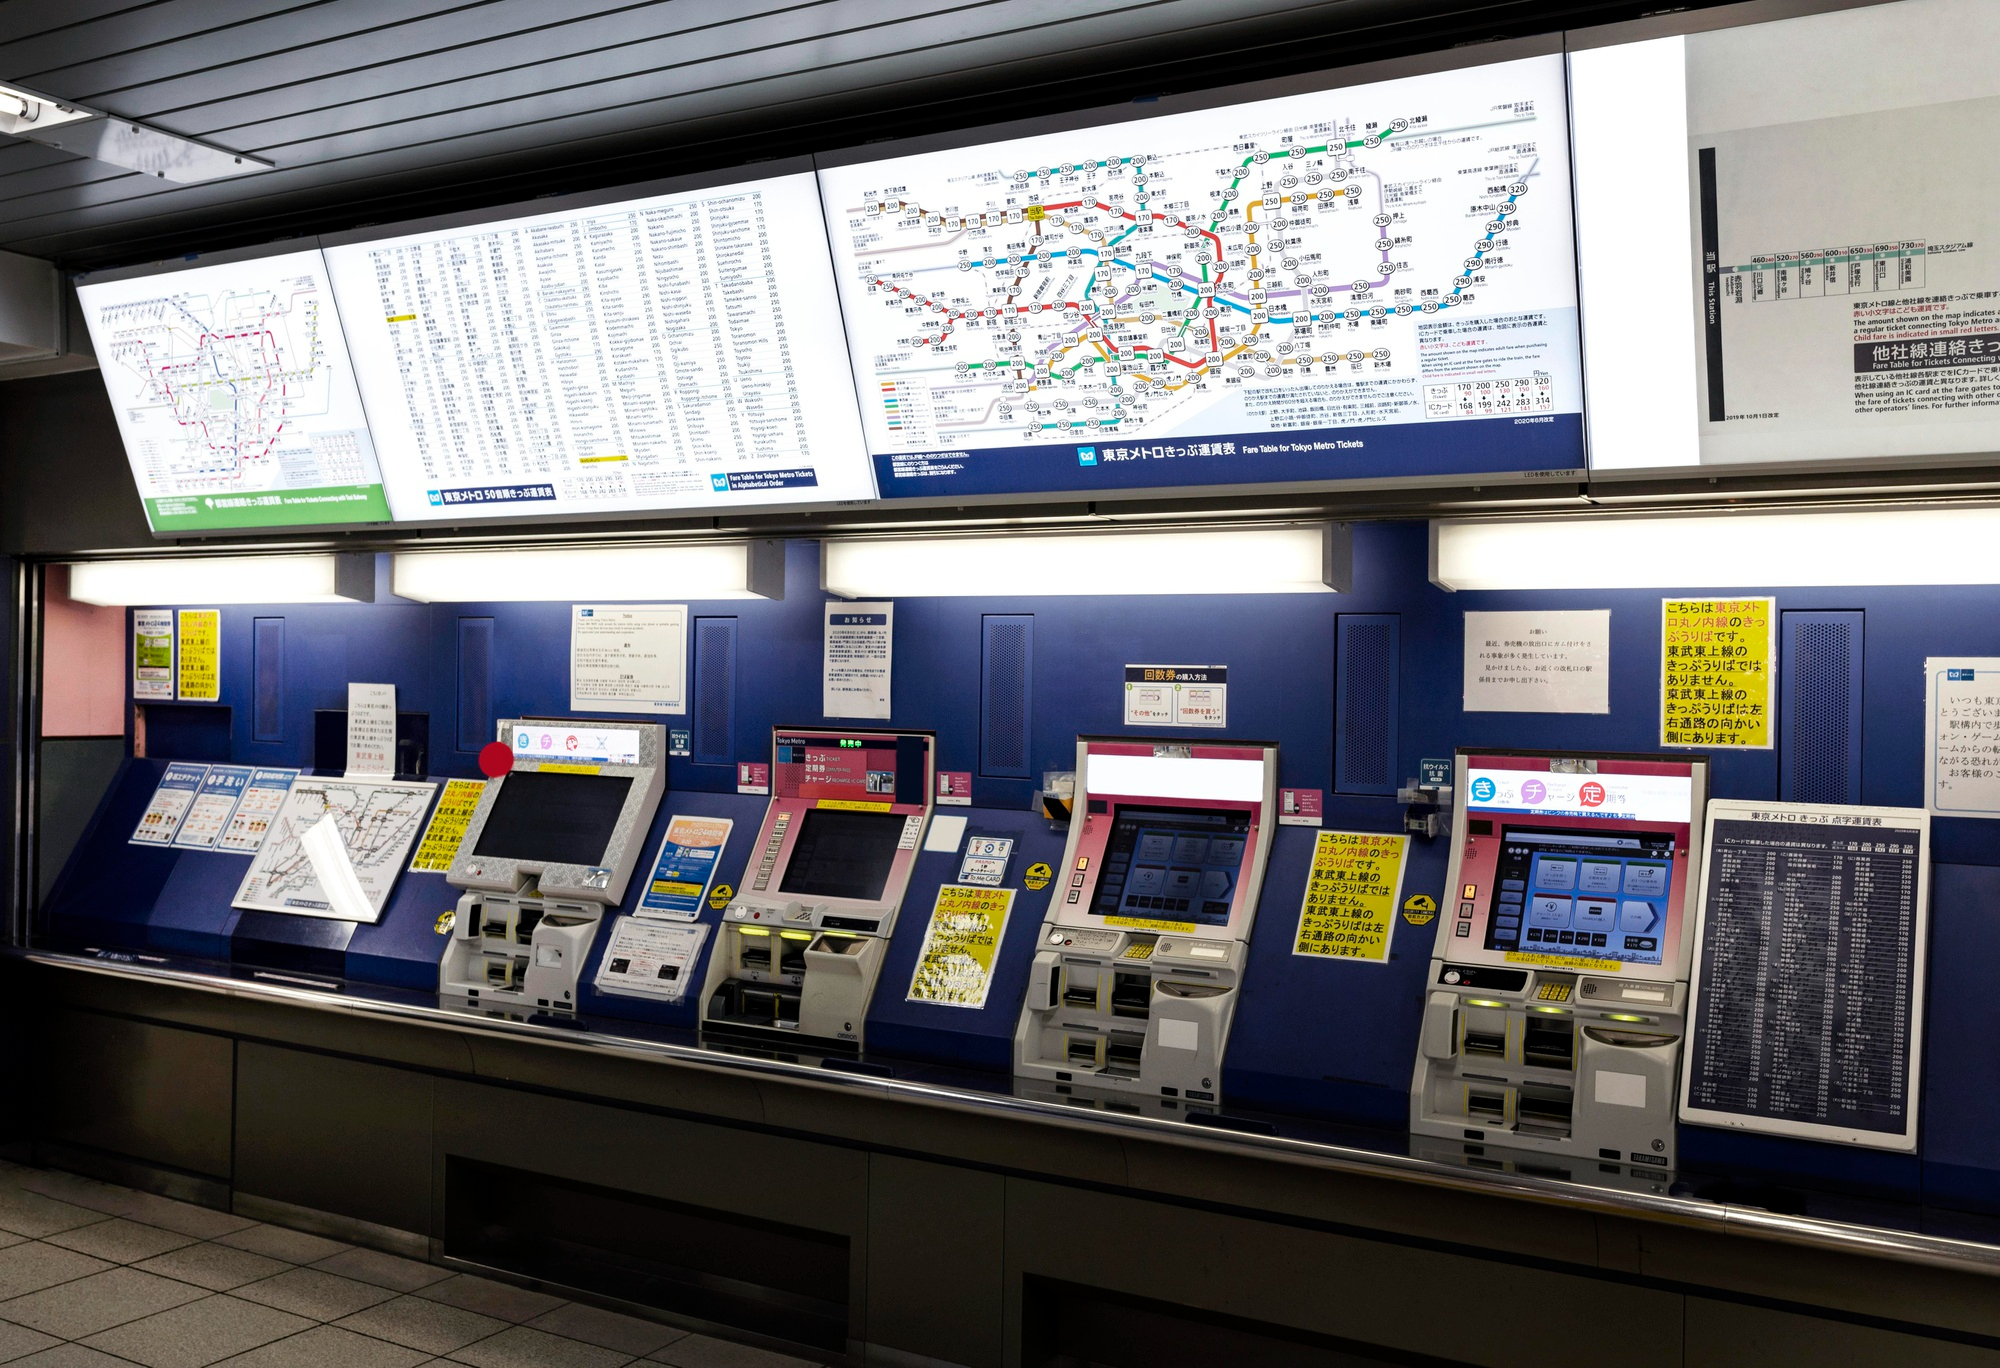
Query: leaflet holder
x=552 y=844
x=1137 y=970
x=800 y=947
x=1558 y=983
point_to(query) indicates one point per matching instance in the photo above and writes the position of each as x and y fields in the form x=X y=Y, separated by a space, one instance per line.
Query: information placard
x=234 y=395
x=674 y=351
x=628 y=658
x=1962 y=736
x=446 y=830
x=684 y=867
x=152 y=653
x=1717 y=660
x=961 y=944
x=1349 y=910
x=1808 y=988
x=1367 y=282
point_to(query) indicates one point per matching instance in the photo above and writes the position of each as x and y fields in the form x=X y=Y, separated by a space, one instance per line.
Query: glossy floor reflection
x=98 y=1276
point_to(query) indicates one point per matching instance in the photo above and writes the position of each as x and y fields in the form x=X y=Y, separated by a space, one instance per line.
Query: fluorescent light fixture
x=1722 y=551
x=90 y=132
x=207 y=580
x=700 y=570
x=1309 y=558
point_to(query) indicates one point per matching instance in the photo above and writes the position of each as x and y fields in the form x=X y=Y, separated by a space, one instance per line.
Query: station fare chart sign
x=1370 y=282
x=667 y=352
x=1808 y=987
x=235 y=397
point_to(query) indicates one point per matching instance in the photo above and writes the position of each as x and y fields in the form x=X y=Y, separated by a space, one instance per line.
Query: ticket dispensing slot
x=1558 y=985
x=551 y=845
x=800 y=947
x=1135 y=978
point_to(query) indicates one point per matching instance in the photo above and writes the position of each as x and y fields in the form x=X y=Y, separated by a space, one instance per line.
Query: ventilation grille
x=475 y=682
x=714 y=691
x=1365 y=703
x=1007 y=658
x=267 y=701
x=1821 y=700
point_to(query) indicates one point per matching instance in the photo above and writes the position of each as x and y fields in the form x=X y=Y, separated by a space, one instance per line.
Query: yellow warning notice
x=1148 y=924
x=441 y=838
x=200 y=655
x=547 y=768
x=854 y=805
x=1565 y=962
x=1715 y=671
x=1350 y=901
x=955 y=966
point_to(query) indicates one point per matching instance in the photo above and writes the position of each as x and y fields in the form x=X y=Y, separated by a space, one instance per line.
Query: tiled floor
x=97 y=1276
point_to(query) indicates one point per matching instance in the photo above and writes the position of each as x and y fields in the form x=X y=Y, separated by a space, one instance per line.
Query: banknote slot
x=1549 y=1043
x=1131 y=995
x=1487 y=1106
x=1489 y=1043
x=1122 y=1053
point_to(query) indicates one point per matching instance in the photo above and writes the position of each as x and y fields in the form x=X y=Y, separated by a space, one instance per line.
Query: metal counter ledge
x=1262 y=1135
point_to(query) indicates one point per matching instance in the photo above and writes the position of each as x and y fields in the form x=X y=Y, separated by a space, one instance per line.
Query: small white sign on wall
x=1538 y=662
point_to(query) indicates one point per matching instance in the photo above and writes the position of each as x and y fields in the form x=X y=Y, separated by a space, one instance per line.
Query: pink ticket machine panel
x=1557 y=999
x=802 y=942
x=1136 y=976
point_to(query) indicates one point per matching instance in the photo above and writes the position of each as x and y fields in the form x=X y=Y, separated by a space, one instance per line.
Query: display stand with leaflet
x=1139 y=964
x=551 y=846
x=1558 y=985
x=801 y=945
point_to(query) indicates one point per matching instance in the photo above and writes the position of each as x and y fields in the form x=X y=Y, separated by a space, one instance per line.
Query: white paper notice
x=648 y=959
x=628 y=659
x=371 y=731
x=327 y=853
x=1542 y=662
x=152 y=653
x=855 y=682
x=1962 y=735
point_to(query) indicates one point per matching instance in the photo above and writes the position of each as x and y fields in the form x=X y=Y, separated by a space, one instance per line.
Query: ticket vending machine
x=1558 y=989
x=550 y=847
x=1140 y=960
x=801 y=945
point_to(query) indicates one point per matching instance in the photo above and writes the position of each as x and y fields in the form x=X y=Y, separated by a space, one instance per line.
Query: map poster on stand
x=234 y=395
x=378 y=821
x=152 y=653
x=1375 y=282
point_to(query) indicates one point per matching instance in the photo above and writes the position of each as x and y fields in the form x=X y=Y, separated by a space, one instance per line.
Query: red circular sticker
x=495 y=759
x=1591 y=794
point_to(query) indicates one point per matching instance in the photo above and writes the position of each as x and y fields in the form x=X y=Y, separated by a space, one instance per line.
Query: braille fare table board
x=1808 y=980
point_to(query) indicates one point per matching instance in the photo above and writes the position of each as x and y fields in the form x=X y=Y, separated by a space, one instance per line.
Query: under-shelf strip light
x=1721 y=551
x=704 y=570
x=1309 y=558
x=209 y=580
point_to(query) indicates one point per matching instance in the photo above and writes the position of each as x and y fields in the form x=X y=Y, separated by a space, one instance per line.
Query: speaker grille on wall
x=1007 y=669
x=714 y=691
x=475 y=682
x=1819 y=703
x=1365 y=702
x=267 y=699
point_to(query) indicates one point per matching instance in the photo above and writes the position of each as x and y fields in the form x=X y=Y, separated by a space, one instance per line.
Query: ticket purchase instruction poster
x=1717 y=657
x=1351 y=895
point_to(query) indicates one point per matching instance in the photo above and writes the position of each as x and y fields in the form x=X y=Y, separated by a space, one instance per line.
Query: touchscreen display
x=1603 y=893
x=1176 y=863
x=842 y=854
x=552 y=817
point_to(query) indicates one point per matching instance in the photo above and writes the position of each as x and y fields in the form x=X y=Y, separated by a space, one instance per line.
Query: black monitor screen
x=1173 y=864
x=552 y=817
x=842 y=854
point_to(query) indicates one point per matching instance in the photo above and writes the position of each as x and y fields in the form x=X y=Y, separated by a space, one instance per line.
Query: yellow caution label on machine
x=854 y=805
x=546 y=768
x=1565 y=962
x=1147 y=924
x=445 y=921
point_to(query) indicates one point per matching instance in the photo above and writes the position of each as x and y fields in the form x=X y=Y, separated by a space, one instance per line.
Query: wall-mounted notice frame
x=667 y=348
x=1371 y=282
x=1808 y=985
x=1780 y=317
x=234 y=396
x=1962 y=736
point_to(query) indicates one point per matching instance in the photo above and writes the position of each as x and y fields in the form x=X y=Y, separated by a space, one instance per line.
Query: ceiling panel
x=375 y=110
